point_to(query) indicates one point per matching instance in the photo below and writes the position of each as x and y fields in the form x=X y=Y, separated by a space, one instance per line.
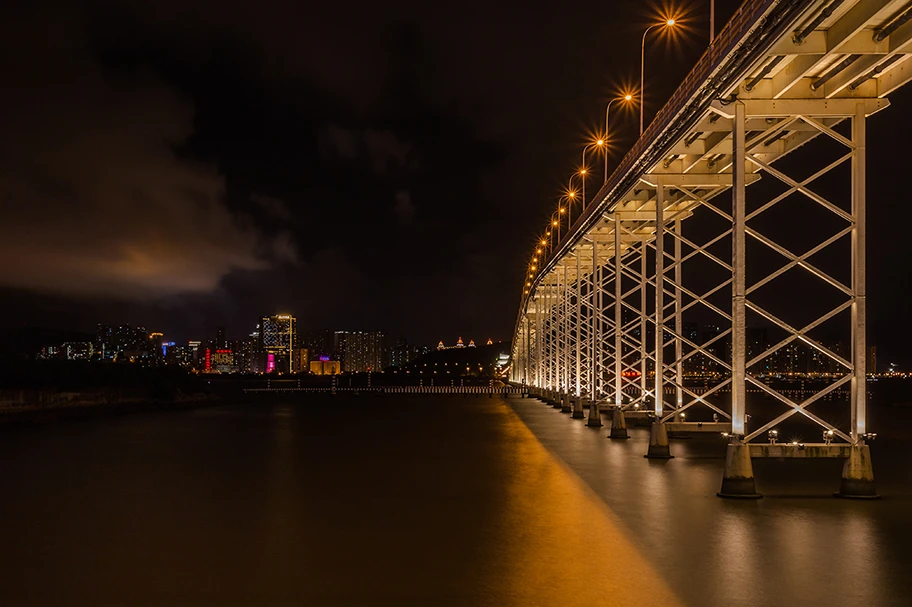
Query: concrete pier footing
x=738 y=478
x=618 y=424
x=578 y=407
x=658 y=442
x=595 y=416
x=858 y=475
x=566 y=407
x=555 y=399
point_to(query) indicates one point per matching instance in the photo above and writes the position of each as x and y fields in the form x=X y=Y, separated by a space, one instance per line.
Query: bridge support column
x=578 y=407
x=618 y=321
x=548 y=357
x=858 y=474
x=644 y=355
x=579 y=342
x=595 y=296
x=618 y=424
x=678 y=325
x=564 y=339
x=658 y=442
x=566 y=406
x=595 y=416
x=658 y=433
x=738 y=478
x=739 y=291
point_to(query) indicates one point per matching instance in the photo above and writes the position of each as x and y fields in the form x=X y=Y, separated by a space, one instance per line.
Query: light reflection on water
x=561 y=545
x=423 y=501
x=798 y=545
x=412 y=501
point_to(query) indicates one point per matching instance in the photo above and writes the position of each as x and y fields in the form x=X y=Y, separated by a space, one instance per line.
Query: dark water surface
x=426 y=501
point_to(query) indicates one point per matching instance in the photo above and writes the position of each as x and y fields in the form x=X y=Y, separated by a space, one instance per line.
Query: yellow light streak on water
x=563 y=546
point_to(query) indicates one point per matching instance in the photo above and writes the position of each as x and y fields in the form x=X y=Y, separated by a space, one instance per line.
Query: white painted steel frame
x=792 y=93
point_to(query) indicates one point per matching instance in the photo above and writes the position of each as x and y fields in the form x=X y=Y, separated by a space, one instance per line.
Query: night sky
x=187 y=165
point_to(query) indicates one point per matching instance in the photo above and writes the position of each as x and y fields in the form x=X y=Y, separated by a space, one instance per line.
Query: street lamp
x=666 y=23
x=626 y=98
x=584 y=172
x=712 y=21
x=569 y=197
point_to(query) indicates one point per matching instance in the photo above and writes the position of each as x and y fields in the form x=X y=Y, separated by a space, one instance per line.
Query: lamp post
x=666 y=23
x=626 y=97
x=712 y=20
x=584 y=172
x=568 y=198
x=555 y=223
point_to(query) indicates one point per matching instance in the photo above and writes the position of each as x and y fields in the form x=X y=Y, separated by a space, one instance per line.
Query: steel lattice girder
x=797 y=85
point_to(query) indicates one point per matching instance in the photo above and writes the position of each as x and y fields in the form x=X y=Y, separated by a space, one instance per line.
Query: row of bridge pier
x=738 y=478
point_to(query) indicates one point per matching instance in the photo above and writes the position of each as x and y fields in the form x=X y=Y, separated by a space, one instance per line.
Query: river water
x=418 y=500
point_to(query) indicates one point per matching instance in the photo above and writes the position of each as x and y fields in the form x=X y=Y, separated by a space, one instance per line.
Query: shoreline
x=50 y=414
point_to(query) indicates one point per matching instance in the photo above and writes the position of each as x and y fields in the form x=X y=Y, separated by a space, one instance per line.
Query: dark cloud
x=404 y=209
x=96 y=200
x=272 y=206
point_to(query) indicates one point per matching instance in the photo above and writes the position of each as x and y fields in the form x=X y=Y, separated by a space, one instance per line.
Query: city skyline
x=275 y=344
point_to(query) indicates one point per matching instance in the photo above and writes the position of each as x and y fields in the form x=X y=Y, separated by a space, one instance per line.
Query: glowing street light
x=583 y=172
x=555 y=223
x=626 y=98
x=569 y=197
x=666 y=23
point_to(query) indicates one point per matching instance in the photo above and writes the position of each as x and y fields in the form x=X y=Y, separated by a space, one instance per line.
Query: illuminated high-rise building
x=301 y=362
x=361 y=351
x=246 y=354
x=122 y=343
x=276 y=343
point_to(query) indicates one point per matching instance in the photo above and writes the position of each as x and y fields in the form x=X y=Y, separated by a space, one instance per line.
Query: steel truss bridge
x=675 y=234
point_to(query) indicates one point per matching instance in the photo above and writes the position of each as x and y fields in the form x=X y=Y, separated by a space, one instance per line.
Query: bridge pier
x=738 y=478
x=578 y=407
x=555 y=399
x=595 y=416
x=858 y=474
x=658 y=442
x=565 y=403
x=618 y=424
